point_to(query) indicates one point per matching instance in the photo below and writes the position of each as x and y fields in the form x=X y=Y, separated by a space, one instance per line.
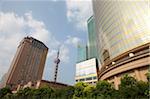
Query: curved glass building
x=121 y=25
x=123 y=37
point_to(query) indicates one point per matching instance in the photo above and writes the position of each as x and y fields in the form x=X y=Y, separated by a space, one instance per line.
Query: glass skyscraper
x=92 y=48
x=86 y=66
x=81 y=53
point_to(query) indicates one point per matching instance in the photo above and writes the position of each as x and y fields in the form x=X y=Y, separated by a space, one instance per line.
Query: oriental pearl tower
x=56 y=61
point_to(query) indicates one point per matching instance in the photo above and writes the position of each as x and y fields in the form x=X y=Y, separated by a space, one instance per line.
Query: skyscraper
x=82 y=53
x=87 y=64
x=28 y=62
x=123 y=38
x=92 y=47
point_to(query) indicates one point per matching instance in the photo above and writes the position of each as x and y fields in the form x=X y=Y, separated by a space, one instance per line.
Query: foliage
x=104 y=89
x=25 y=92
x=88 y=91
x=79 y=87
x=148 y=75
x=69 y=91
x=129 y=88
x=4 y=91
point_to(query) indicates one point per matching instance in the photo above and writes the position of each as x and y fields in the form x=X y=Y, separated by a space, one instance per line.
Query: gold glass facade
x=121 y=25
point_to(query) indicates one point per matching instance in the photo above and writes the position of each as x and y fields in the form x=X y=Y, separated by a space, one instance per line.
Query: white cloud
x=64 y=53
x=73 y=41
x=12 y=30
x=78 y=11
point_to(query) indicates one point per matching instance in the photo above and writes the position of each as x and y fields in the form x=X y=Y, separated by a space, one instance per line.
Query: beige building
x=86 y=71
x=123 y=38
x=28 y=63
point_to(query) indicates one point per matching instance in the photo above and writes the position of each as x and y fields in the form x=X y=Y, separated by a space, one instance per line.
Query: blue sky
x=56 y=23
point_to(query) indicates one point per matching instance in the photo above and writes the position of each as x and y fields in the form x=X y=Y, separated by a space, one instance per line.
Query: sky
x=57 y=23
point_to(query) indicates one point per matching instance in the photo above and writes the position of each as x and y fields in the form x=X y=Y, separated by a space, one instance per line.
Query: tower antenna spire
x=56 y=61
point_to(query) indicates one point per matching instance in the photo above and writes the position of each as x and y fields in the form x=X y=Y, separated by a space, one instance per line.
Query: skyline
x=30 y=18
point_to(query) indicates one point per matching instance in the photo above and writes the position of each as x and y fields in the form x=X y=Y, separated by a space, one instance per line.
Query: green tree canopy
x=4 y=91
x=128 y=87
x=104 y=89
x=79 y=87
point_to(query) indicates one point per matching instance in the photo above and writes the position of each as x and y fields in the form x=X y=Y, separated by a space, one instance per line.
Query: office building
x=28 y=63
x=87 y=61
x=82 y=53
x=123 y=38
x=86 y=71
x=92 y=47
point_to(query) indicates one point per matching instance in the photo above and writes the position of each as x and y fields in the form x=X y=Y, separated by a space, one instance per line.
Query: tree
x=25 y=93
x=88 y=91
x=5 y=91
x=79 y=87
x=148 y=75
x=142 y=89
x=43 y=92
x=104 y=89
x=69 y=92
x=128 y=87
x=147 y=92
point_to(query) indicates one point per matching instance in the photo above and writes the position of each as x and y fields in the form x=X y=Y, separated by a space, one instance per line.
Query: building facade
x=123 y=38
x=28 y=62
x=87 y=63
x=82 y=53
x=86 y=71
x=92 y=47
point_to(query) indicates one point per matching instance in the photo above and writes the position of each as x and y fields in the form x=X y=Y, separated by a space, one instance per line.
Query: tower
x=56 y=61
x=28 y=62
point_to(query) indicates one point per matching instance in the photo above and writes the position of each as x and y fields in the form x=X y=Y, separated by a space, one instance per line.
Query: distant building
x=87 y=61
x=28 y=63
x=92 y=47
x=82 y=53
x=123 y=38
x=86 y=71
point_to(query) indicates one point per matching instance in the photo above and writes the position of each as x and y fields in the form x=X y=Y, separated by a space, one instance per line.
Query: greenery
x=129 y=88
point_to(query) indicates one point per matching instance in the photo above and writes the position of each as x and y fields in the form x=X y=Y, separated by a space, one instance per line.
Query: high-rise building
x=123 y=38
x=92 y=47
x=82 y=53
x=28 y=62
x=87 y=64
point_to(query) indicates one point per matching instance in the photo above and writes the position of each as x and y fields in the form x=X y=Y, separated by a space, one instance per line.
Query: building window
x=106 y=55
x=89 y=78
x=94 y=77
x=82 y=79
x=94 y=82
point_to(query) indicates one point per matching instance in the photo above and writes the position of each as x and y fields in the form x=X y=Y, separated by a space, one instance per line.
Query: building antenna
x=56 y=61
